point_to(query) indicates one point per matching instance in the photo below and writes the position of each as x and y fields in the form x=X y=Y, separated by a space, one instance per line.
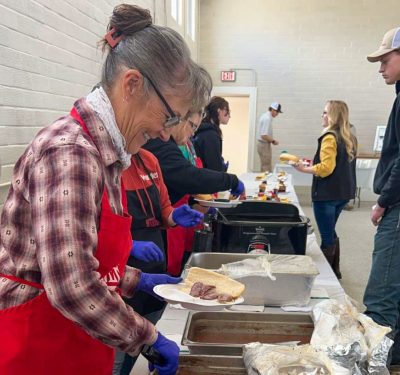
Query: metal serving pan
x=287 y=289
x=224 y=333
x=211 y=365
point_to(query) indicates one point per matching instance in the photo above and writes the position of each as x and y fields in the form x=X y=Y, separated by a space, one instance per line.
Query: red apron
x=176 y=243
x=179 y=238
x=35 y=338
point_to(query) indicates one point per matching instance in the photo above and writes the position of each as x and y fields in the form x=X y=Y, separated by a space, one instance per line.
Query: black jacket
x=387 y=176
x=181 y=177
x=341 y=183
x=208 y=145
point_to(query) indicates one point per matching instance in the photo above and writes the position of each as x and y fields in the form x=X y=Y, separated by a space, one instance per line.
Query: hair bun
x=128 y=19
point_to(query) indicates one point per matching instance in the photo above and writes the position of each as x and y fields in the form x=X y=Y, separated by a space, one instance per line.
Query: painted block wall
x=302 y=53
x=48 y=59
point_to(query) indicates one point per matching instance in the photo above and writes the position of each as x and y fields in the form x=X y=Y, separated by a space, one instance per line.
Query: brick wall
x=48 y=59
x=304 y=52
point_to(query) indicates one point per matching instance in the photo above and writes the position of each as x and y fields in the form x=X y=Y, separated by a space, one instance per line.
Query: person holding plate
x=149 y=204
x=334 y=176
x=65 y=230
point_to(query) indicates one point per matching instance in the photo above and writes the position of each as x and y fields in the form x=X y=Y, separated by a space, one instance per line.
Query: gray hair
x=158 y=52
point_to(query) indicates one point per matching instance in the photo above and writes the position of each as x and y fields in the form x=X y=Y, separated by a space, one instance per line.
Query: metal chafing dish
x=287 y=289
x=211 y=365
x=224 y=333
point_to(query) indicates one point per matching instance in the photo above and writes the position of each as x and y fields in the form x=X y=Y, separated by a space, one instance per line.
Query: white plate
x=212 y=203
x=172 y=294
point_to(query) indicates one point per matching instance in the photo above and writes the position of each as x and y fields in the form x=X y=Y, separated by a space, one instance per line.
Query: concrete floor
x=356 y=234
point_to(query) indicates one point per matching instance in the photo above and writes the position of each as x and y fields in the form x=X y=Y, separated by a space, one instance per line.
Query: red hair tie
x=111 y=39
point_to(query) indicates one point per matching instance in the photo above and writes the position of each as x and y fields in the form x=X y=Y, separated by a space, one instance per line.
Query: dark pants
x=326 y=215
x=382 y=294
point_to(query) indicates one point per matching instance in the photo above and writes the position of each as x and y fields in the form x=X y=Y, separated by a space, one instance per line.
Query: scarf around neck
x=101 y=105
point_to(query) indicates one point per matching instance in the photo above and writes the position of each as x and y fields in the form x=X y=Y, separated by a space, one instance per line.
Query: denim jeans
x=326 y=215
x=382 y=294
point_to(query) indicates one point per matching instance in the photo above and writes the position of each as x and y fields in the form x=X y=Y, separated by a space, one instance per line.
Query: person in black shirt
x=181 y=177
x=382 y=294
x=208 y=139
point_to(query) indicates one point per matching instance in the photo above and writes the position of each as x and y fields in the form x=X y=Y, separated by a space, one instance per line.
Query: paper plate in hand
x=218 y=204
x=173 y=295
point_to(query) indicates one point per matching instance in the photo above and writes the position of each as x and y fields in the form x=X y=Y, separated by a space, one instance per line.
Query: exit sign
x=228 y=76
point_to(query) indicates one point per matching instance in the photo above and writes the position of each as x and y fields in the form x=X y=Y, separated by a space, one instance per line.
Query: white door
x=239 y=133
x=236 y=134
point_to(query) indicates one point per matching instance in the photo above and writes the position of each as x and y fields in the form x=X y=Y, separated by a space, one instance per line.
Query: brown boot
x=336 y=260
x=329 y=252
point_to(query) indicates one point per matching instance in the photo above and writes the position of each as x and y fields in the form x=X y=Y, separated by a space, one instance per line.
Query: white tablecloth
x=298 y=178
x=365 y=171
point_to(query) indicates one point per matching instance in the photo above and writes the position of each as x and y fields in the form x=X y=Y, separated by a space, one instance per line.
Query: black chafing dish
x=258 y=225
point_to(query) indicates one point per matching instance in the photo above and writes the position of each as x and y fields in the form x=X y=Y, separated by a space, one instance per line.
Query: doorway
x=239 y=134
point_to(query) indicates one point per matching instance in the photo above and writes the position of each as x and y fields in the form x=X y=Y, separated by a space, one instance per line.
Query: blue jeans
x=326 y=215
x=382 y=294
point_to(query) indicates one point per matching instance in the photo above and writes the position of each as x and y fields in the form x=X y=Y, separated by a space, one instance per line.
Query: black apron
x=146 y=226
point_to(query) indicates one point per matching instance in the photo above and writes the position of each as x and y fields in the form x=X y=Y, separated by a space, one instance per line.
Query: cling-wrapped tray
x=287 y=281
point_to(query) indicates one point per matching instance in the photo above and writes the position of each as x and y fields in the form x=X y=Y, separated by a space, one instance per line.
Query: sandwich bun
x=204 y=197
x=288 y=157
x=223 y=284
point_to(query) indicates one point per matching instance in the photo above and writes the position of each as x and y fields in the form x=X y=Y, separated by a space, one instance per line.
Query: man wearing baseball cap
x=382 y=294
x=265 y=136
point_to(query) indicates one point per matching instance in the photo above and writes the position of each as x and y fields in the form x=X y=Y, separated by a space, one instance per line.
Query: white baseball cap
x=276 y=106
x=390 y=42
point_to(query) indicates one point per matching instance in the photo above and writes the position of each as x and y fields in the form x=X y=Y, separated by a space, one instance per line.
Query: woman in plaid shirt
x=65 y=232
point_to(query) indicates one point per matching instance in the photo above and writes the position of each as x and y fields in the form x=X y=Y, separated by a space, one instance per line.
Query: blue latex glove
x=238 y=190
x=186 y=217
x=147 y=251
x=170 y=353
x=149 y=280
x=212 y=211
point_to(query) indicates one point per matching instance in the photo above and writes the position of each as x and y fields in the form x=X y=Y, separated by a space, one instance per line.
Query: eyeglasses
x=193 y=125
x=173 y=118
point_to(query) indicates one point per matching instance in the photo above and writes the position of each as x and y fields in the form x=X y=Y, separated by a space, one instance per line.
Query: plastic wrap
x=270 y=264
x=253 y=266
x=264 y=359
x=352 y=340
x=274 y=279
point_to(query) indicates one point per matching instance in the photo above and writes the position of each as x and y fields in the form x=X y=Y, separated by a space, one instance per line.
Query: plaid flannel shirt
x=49 y=230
